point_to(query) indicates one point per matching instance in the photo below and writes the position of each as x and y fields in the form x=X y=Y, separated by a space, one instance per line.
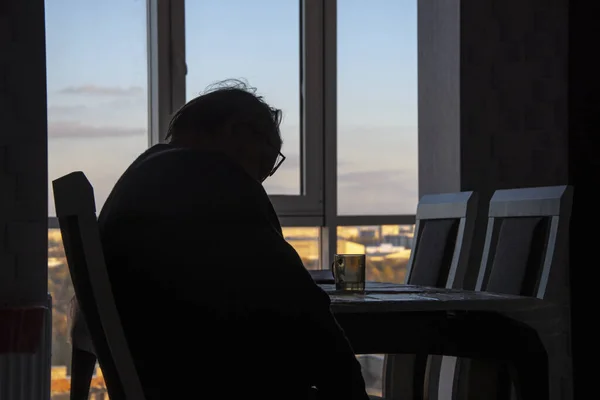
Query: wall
x=494 y=103
x=584 y=175
x=23 y=153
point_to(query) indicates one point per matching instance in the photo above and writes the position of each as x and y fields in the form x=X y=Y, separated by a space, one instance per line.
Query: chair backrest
x=526 y=242
x=525 y=253
x=76 y=212
x=439 y=257
x=442 y=242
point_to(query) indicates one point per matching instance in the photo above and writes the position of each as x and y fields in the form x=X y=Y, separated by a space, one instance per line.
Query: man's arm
x=337 y=372
x=333 y=366
x=265 y=272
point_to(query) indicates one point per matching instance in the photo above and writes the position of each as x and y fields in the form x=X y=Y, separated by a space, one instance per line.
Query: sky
x=98 y=105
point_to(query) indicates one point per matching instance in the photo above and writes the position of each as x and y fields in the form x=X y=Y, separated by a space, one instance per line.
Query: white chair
x=525 y=253
x=439 y=258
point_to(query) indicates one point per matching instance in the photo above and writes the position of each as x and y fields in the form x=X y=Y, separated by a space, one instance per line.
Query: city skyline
x=97 y=100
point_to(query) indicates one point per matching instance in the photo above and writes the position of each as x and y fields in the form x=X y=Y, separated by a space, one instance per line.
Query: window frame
x=310 y=84
x=168 y=43
x=332 y=220
x=316 y=205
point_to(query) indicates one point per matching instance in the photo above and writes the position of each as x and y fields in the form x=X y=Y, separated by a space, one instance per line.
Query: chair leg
x=531 y=379
x=404 y=376
x=82 y=370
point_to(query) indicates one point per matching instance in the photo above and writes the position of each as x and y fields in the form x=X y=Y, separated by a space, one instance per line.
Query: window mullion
x=329 y=66
x=166 y=64
x=309 y=202
x=178 y=57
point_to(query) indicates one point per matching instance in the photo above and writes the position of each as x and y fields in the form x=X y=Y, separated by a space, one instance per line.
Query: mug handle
x=333 y=270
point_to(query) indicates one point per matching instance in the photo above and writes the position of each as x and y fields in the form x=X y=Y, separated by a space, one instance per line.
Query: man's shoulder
x=174 y=163
x=167 y=179
x=163 y=155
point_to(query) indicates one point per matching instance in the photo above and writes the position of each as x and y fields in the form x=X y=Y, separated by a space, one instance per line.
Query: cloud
x=65 y=110
x=377 y=177
x=377 y=192
x=94 y=90
x=71 y=129
x=137 y=104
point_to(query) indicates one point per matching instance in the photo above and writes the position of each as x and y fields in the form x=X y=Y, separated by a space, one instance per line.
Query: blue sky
x=97 y=81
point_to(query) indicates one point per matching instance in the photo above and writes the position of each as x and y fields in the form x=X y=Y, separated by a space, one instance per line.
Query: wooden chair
x=525 y=253
x=439 y=258
x=76 y=212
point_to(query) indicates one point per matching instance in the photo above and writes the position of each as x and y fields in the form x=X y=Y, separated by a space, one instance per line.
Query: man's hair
x=222 y=103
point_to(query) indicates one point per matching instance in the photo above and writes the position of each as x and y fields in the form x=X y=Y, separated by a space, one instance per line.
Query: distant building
x=367 y=233
x=384 y=249
x=399 y=240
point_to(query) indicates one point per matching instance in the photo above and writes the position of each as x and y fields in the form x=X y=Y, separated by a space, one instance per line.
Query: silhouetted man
x=214 y=302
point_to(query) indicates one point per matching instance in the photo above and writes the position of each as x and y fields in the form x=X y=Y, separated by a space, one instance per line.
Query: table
x=406 y=319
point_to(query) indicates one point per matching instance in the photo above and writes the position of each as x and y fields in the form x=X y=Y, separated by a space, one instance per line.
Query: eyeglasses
x=278 y=162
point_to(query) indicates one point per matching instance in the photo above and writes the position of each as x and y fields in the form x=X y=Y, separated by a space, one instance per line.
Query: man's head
x=230 y=118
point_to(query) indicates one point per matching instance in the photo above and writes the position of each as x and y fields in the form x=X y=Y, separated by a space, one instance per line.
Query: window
x=59 y=284
x=257 y=41
x=387 y=249
x=306 y=242
x=97 y=120
x=97 y=79
x=377 y=107
x=343 y=72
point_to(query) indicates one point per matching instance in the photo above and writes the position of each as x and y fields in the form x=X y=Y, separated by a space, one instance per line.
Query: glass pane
x=97 y=81
x=61 y=289
x=97 y=123
x=259 y=42
x=377 y=107
x=388 y=250
x=306 y=241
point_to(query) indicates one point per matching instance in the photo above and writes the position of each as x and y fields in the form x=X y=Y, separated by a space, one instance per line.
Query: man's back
x=213 y=299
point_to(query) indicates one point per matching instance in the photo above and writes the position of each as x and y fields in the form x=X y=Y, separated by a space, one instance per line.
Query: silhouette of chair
x=525 y=253
x=76 y=212
x=439 y=258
